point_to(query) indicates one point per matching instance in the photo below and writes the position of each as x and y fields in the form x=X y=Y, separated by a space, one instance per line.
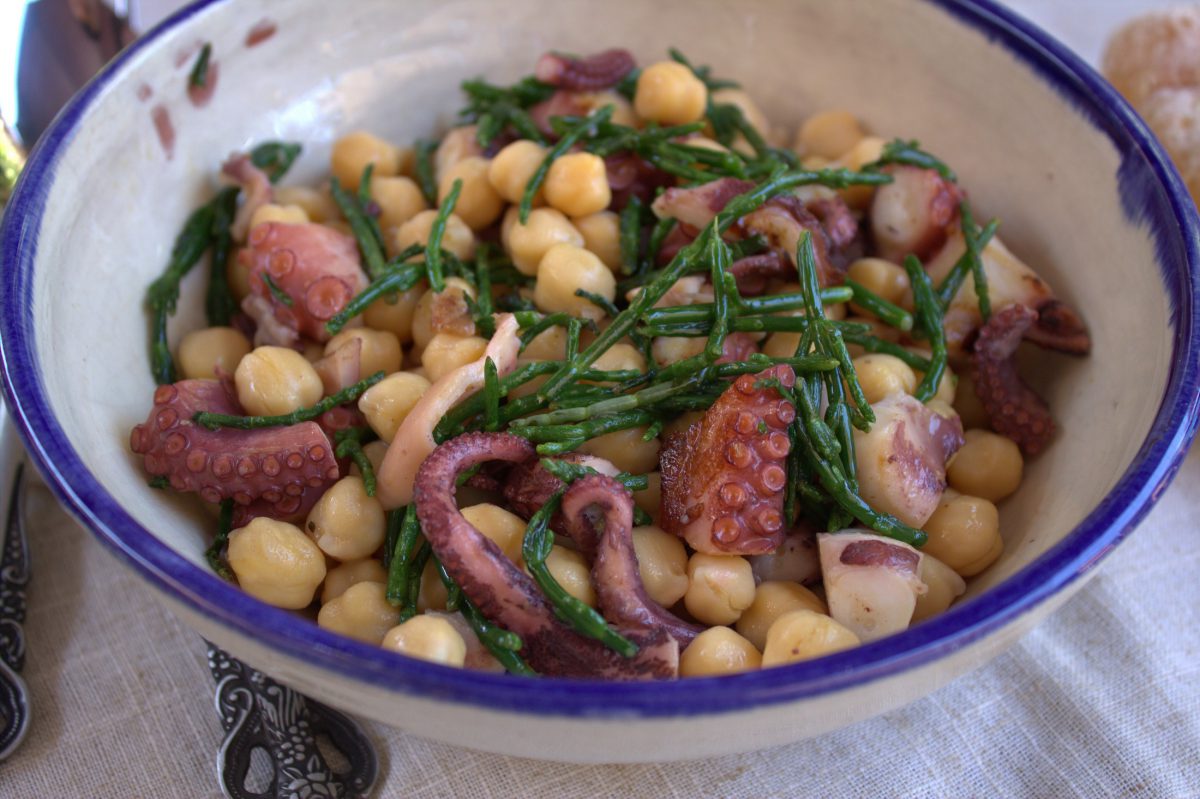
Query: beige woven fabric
x=1103 y=699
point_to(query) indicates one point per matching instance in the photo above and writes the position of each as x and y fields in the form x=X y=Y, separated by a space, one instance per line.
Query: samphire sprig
x=215 y=421
x=823 y=451
x=215 y=554
x=348 y=443
x=535 y=548
x=207 y=226
x=909 y=153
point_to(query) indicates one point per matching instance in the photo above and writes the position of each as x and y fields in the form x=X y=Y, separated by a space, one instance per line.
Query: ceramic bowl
x=1085 y=196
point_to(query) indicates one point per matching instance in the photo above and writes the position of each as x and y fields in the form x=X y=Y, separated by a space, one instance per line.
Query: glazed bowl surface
x=1040 y=141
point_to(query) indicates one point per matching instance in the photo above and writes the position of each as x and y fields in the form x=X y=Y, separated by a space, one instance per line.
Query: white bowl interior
x=906 y=69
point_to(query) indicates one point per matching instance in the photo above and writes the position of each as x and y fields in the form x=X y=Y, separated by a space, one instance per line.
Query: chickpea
x=744 y=103
x=964 y=533
x=380 y=350
x=649 y=499
x=988 y=465
x=883 y=375
x=718 y=650
x=681 y=423
x=662 y=563
x=399 y=199
x=829 y=134
x=361 y=612
x=352 y=572
x=457 y=144
x=478 y=203
x=510 y=171
x=602 y=235
x=549 y=345
x=720 y=588
x=527 y=244
x=885 y=278
x=868 y=149
x=354 y=151
x=203 y=352
x=669 y=94
x=395 y=317
x=447 y=352
x=967 y=403
x=803 y=635
x=571 y=571
x=672 y=349
x=625 y=449
x=577 y=184
x=432 y=594
x=505 y=529
x=620 y=357
x=623 y=114
x=428 y=638
x=346 y=523
x=772 y=599
x=318 y=205
x=375 y=452
x=448 y=307
x=457 y=238
x=275 y=562
x=781 y=345
x=276 y=380
x=388 y=402
x=564 y=269
x=946 y=389
x=943 y=584
x=878 y=330
x=286 y=214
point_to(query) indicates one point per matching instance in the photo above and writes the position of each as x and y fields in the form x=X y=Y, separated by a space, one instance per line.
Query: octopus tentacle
x=1058 y=327
x=256 y=191
x=1014 y=409
x=529 y=486
x=277 y=472
x=598 y=71
x=504 y=593
x=619 y=590
x=723 y=480
x=316 y=266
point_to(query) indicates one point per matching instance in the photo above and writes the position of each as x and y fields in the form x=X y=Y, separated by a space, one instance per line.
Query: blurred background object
x=1154 y=60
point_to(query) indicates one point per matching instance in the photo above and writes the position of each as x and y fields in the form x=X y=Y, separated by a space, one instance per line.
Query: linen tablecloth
x=1103 y=699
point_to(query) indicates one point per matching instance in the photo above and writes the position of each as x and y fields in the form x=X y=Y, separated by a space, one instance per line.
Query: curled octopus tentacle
x=505 y=594
x=599 y=71
x=619 y=590
x=277 y=472
x=1014 y=409
x=723 y=480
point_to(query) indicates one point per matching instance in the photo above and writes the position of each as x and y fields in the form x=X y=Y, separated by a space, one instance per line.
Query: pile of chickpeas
x=758 y=614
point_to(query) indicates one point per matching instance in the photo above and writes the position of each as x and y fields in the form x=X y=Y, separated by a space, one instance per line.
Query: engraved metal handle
x=259 y=714
x=14 y=575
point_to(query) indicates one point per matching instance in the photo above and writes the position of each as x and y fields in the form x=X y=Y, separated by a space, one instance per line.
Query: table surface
x=1103 y=699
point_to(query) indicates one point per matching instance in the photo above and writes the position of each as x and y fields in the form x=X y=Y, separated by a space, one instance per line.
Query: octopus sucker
x=504 y=593
x=316 y=266
x=1014 y=409
x=619 y=590
x=718 y=478
x=227 y=463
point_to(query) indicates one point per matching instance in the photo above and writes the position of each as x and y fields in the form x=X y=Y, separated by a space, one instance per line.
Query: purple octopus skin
x=595 y=72
x=619 y=590
x=1013 y=408
x=505 y=594
x=277 y=472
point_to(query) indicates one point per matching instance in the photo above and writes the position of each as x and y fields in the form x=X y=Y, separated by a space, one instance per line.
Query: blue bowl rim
x=1178 y=237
